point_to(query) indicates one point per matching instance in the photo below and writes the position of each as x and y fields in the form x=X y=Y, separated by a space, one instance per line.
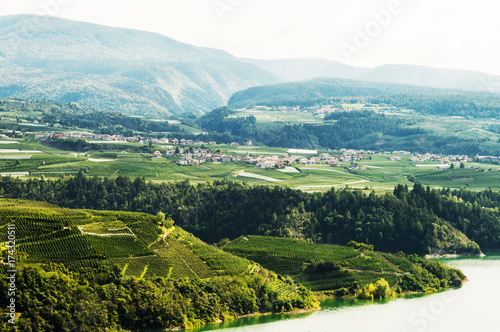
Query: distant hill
x=118 y=69
x=433 y=77
x=289 y=70
x=425 y=100
x=320 y=88
x=304 y=69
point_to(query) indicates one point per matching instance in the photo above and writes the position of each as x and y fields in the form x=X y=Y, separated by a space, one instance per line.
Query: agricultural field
x=46 y=233
x=133 y=242
x=321 y=267
x=272 y=116
x=30 y=158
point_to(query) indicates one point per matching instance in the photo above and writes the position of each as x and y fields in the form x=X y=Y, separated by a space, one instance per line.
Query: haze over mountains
x=146 y=73
x=303 y=69
x=117 y=69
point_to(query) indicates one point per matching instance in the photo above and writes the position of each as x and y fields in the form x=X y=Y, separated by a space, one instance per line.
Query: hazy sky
x=439 y=33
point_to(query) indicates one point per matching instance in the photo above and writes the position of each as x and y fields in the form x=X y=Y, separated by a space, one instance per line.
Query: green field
x=381 y=174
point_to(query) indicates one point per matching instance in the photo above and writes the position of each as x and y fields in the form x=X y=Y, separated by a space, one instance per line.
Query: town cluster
x=197 y=156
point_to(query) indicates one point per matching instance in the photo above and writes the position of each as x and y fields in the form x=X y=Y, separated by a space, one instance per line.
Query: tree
x=382 y=289
x=160 y=217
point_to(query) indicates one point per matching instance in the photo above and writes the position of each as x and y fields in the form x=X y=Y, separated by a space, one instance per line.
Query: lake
x=473 y=307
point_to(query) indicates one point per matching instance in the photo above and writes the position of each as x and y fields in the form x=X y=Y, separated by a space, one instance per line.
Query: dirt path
x=108 y=234
x=373 y=271
x=162 y=236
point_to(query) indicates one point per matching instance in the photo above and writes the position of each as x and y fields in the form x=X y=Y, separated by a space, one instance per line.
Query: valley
x=148 y=184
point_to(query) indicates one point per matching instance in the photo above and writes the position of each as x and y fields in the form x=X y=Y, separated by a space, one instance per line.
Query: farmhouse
x=345 y=158
x=226 y=159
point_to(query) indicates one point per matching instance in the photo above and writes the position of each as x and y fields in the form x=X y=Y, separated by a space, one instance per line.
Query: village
x=195 y=153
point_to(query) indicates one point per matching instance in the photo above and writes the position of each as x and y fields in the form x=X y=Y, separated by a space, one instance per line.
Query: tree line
x=409 y=220
x=52 y=298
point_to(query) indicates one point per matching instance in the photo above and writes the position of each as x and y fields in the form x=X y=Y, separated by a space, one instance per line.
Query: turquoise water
x=474 y=307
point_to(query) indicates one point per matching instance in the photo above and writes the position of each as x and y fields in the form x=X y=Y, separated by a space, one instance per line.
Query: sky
x=459 y=34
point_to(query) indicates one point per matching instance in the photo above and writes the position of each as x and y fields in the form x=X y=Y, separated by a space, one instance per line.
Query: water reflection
x=254 y=320
x=470 y=308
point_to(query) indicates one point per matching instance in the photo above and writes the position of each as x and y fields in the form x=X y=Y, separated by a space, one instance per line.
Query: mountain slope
x=116 y=69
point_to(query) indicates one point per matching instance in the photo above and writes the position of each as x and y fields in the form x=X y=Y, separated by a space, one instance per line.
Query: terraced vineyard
x=140 y=247
x=134 y=242
x=80 y=238
x=321 y=267
x=221 y=262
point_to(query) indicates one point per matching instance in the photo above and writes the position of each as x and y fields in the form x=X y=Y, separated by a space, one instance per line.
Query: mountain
x=304 y=69
x=119 y=69
x=144 y=73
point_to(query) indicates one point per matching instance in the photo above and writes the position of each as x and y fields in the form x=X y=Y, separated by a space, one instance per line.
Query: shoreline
x=257 y=314
x=435 y=256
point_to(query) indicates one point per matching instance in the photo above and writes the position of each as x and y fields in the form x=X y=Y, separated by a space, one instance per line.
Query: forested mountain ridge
x=116 y=69
x=412 y=221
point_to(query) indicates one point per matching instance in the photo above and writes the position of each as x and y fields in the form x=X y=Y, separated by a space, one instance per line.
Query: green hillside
x=343 y=269
x=134 y=241
x=140 y=253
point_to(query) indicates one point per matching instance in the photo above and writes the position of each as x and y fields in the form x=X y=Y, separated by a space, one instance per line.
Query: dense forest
x=409 y=220
x=52 y=298
x=355 y=130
